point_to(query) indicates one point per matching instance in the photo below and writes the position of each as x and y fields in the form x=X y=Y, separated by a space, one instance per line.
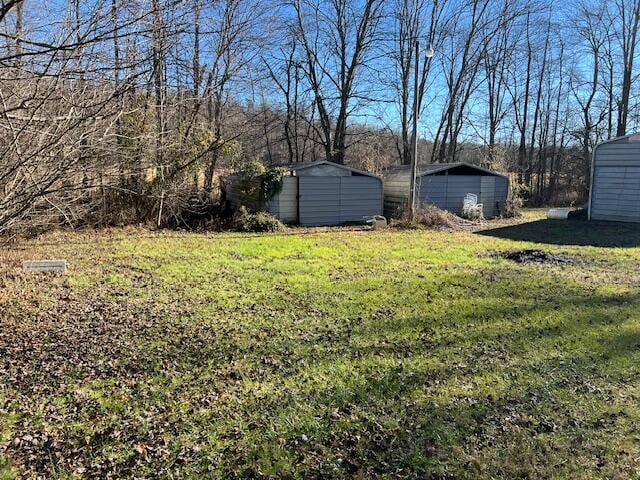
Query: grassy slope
x=332 y=355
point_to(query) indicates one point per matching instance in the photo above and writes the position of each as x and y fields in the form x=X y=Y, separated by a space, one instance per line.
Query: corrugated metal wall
x=323 y=200
x=616 y=181
x=493 y=195
x=338 y=200
x=360 y=197
x=319 y=200
x=447 y=192
x=396 y=194
x=487 y=196
x=284 y=205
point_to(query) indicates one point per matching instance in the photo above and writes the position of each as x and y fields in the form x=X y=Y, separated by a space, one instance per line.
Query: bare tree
x=628 y=16
x=414 y=20
x=51 y=110
x=542 y=74
x=338 y=40
x=590 y=27
x=287 y=81
x=520 y=95
x=7 y=5
x=234 y=43
x=474 y=26
x=499 y=51
x=118 y=111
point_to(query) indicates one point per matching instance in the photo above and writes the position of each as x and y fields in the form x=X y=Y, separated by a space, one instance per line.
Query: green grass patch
x=394 y=354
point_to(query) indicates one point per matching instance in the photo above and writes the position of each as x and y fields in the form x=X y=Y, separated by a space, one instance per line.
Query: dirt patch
x=537 y=256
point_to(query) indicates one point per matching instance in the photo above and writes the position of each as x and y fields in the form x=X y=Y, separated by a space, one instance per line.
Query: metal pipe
x=414 y=156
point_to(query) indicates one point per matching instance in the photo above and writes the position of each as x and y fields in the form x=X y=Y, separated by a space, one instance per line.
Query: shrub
x=252 y=169
x=245 y=221
x=431 y=217
x=271 y=183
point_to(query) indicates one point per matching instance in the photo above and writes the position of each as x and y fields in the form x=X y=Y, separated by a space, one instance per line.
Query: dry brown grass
x=433 y=217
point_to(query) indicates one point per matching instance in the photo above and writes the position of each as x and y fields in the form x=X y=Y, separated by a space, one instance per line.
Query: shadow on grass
x=571 y=232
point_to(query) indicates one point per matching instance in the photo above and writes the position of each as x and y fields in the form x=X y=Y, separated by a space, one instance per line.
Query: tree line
x=127 y=111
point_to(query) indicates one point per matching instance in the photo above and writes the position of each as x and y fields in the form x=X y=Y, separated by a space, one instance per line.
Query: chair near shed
x=445 y=185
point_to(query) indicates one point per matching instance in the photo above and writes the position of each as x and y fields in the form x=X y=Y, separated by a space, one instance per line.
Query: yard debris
x=246 y=221
x=433 y=217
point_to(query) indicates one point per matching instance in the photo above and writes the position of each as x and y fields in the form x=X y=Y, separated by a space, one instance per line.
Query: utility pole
x=414 y=155
x=416 y=113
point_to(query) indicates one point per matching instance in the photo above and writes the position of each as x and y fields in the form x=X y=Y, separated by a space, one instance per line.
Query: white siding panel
x=618 y=155
x=288 y=201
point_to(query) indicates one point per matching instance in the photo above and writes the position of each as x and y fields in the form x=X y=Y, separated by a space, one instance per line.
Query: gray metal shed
x=318 y=194
x=445 y=185
x=615 y=180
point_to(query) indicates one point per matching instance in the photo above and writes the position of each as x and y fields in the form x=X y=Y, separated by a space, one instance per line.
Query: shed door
x=488 y=195
x=319 y=200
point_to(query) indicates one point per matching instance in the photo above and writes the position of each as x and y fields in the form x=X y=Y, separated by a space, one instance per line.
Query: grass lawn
x=341 y=354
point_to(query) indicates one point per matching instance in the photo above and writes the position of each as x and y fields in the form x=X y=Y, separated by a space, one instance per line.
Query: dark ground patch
x=537 y=256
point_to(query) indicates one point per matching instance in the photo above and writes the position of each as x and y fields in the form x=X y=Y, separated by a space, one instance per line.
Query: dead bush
x=515 y=201
x=430 y=216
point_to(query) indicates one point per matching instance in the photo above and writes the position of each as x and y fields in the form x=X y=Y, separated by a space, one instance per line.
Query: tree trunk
x=629 y=46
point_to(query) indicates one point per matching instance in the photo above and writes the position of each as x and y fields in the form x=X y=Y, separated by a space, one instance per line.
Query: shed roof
x=632 y=137
x=434 y=168
x=294 y=167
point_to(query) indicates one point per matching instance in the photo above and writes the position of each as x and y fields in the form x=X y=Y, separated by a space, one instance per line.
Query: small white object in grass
x=45 y=266
x=558 y=213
